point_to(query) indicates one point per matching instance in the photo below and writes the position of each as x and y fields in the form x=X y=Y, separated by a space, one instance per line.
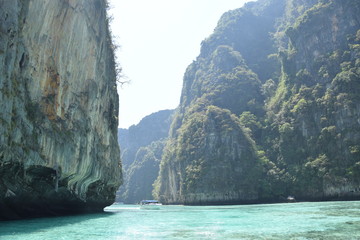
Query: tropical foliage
x=294 y=94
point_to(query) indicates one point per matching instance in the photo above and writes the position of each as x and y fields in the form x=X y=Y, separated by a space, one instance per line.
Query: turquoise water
x=325 y=220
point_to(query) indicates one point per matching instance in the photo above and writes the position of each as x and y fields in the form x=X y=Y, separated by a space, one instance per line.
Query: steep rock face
x=321 y=109
x=151 y=128
x=142 y=173
x=225 y=77
x=246 y=30
x=219 y=79
x=289 y=71
x=59 y=107
x=212 y=161
x=142 y=147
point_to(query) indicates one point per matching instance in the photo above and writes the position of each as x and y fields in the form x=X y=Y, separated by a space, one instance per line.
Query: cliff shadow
x=28 y=226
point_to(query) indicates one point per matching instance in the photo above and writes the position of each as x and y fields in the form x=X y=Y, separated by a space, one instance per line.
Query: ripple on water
x=300 y=221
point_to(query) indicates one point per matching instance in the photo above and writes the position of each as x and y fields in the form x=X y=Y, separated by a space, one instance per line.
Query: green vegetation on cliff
x=270 y=108
x=142 y=147
x=212 y=157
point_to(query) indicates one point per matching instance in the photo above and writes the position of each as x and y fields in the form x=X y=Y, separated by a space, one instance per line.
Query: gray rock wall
x=59 y=107
x=212 y=161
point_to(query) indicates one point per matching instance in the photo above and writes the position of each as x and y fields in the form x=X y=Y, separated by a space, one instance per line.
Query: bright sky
x=158 y=39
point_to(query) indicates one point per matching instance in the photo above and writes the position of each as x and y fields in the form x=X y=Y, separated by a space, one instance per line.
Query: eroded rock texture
x=58 y=108
x=141 y=150
x=270 y=108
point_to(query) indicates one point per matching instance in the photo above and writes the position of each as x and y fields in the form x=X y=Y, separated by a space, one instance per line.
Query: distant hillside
x=270 y=108
x=141 y=147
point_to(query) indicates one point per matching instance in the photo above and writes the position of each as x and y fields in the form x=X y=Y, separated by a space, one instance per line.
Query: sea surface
x=322 y=220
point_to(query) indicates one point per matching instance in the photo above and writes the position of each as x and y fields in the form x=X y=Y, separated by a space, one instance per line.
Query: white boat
x=150 y=204
x=291 y=199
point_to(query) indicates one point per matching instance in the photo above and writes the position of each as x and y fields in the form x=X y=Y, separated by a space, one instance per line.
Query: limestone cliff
x=270 y=108
x=142 y=146
x=318 y=102
x=212 y=161
x=59 y=107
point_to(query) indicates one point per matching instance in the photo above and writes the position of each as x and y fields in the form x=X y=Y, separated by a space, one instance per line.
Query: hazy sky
x=158 y=39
